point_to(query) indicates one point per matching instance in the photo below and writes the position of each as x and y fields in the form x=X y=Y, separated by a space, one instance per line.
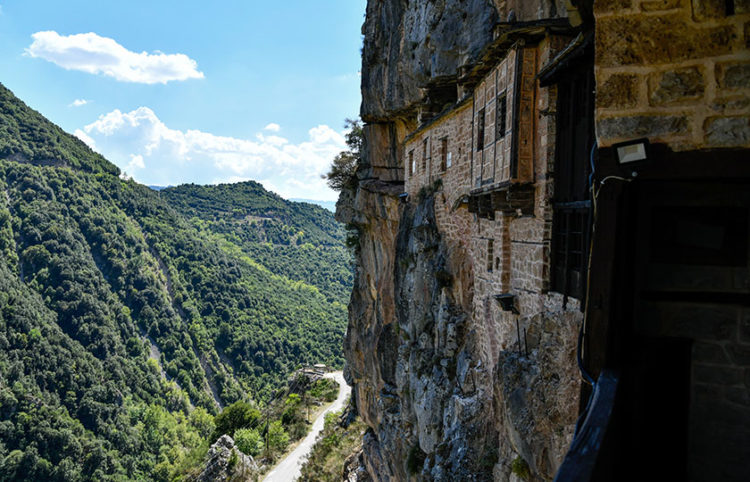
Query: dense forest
x=129 y=317
x=298 y=240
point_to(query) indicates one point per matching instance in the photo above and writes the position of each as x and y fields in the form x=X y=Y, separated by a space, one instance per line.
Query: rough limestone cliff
x=444 y=399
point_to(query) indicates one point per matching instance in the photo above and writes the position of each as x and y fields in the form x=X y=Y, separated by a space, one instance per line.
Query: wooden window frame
x=501 y=115
x=443 y=154
x=572 y=213
x=490 y=254
x=480 y=129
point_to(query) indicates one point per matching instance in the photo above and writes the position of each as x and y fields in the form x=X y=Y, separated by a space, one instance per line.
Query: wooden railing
x=588 y=444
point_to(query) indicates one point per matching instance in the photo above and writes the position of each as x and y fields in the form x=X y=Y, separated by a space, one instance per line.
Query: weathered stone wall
x=424 y=148
x=534 y=399
x=720 y=364
x=675 y=71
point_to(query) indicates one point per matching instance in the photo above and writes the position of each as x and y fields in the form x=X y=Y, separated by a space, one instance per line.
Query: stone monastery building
x=567 y=219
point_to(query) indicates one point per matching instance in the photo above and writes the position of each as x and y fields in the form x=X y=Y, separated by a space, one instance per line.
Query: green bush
x=235 y=416
x=278 y=439
x=249 y=441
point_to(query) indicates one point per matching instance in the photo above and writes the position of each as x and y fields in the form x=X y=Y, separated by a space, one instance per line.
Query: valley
x=130 y=317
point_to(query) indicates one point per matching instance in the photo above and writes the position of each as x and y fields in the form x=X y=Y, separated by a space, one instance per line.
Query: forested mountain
x=298 y=240
x=129 y=316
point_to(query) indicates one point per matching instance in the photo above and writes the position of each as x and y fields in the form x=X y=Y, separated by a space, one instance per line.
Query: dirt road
x=289 y=468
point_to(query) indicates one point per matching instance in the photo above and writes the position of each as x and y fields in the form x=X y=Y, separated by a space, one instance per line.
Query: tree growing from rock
x=344 y=167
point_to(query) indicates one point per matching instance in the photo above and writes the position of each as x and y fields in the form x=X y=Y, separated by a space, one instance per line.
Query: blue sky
x=188 y=91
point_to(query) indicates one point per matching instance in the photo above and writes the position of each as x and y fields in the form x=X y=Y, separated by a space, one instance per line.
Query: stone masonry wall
x=455 y=127
x=541 y=379
x=675 y=71
x=720 y=375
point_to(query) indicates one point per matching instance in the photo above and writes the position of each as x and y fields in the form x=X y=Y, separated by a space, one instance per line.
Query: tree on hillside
x=344 y=167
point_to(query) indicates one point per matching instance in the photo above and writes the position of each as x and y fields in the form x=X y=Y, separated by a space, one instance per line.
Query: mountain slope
x=298 y=240
x=123 y=325
x=26 y=136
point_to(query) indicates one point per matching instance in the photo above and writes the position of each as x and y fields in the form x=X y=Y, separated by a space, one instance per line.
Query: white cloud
x=78 y=103
x=273 y=127
x=136 y=162
x=88 y=52
x=137 y=139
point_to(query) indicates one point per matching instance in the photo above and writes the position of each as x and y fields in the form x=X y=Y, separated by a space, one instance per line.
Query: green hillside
x=129 y=316
x=299 y=240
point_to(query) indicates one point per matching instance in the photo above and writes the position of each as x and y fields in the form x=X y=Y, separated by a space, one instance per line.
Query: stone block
x=727 y=131
x=619 y=90
x=642 y=126
x=708 y=9
x=660 y=39
x=709 y=353
x=675 y=86
x=656 y=5
x=731 y=104
x=610 y=6
x=718 y=375
x=733 y=75
x=740 y=354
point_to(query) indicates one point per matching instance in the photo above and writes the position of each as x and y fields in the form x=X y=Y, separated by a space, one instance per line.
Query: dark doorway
x=683 y=410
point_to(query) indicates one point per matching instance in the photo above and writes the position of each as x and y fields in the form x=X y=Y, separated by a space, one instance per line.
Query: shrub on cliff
x=344 y=167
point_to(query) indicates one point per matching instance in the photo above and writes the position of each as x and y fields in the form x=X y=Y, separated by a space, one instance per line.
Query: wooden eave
x=507 y=197
x=506 y=35
x=445 y=114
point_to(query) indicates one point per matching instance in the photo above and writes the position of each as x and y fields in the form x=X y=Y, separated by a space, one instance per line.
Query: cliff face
x=409 y=45
x=437 y=371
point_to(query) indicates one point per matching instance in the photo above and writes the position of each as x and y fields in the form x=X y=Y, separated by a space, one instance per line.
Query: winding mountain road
x=288 y=469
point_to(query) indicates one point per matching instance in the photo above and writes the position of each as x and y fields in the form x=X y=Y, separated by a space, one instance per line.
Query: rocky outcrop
x=437 y=407
x=354 y=468
x=225 y=463
x=414 y=381
x=444 y=392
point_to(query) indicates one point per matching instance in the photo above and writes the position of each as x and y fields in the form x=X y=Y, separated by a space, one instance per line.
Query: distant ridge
x=330 y=205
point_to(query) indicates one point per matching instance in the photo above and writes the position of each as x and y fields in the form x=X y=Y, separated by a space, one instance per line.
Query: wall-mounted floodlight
x=404 y=197
x=632 y=151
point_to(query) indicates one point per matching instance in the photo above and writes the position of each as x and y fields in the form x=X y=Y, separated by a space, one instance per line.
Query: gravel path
x=289 y=469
